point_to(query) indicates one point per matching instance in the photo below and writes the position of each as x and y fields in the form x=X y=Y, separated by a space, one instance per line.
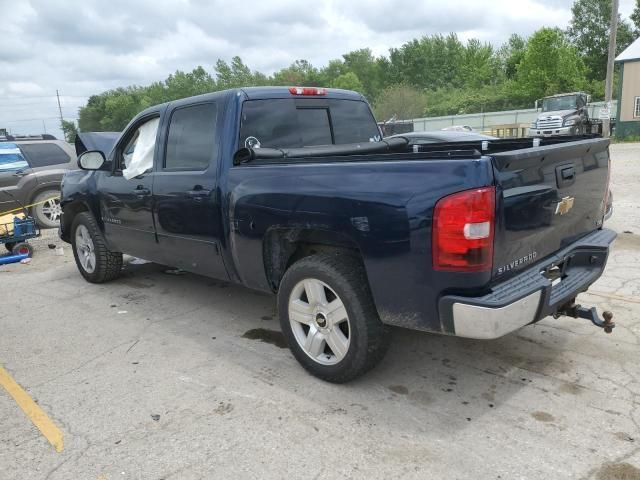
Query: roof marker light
x=308 y=91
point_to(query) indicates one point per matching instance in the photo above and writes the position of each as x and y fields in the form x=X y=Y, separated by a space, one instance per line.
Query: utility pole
x=608 y=89
x=60 y=110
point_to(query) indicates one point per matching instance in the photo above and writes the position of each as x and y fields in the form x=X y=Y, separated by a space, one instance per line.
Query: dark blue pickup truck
x=293 y=191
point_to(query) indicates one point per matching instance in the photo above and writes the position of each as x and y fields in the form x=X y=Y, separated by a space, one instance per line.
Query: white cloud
x=83 y=48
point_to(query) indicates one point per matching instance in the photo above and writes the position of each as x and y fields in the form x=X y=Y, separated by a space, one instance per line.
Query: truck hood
x=556 y=113
x=103 y=141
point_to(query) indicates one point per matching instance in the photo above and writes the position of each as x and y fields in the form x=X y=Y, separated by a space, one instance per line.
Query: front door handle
x=141 y=191
x=20 y=173
x=198 y=194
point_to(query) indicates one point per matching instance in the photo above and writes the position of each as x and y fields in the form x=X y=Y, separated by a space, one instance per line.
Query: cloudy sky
x=83 y=48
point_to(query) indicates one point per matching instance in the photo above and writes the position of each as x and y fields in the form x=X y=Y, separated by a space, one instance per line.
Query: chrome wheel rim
x=319 y=321
x=85 y=249
x=52 y=210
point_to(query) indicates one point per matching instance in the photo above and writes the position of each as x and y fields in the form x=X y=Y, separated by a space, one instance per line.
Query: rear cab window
x=297 y=123
x=44 y=154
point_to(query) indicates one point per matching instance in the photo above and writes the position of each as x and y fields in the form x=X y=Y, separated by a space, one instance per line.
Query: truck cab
x=563 y=114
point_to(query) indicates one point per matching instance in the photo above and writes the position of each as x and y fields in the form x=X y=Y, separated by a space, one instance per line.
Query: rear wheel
x=22 y=248
x=95 y=261
x=47 y=210
x=328 y=316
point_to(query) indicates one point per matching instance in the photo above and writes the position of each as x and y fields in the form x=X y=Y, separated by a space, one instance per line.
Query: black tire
x=47 y=215
x=22 y=248
x=369 y=337
x=108 y=264
x=9 y=246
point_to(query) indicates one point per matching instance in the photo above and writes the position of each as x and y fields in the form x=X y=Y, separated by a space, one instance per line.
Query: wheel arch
x=284 y=246
x=69 y=213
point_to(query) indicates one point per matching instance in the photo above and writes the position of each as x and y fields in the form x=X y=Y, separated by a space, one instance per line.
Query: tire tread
x=349 y=273
x=108 y=263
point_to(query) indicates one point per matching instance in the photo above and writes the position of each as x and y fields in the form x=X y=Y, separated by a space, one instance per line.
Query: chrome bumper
x=529 y=296
x=472 y=321
x=550 y=132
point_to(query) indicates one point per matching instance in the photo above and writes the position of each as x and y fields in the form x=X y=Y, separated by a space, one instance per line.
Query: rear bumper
x=529 y=296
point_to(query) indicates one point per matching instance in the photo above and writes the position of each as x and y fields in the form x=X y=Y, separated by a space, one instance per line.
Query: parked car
x=291 y=191
x=30 y=173
x=458 y=128
x=442 y=136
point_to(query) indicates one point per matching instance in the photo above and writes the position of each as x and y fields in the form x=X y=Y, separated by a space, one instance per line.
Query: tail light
x=463 y=231
x=308 y=91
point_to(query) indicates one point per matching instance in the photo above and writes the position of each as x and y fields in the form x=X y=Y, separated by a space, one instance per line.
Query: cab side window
x=191 y=139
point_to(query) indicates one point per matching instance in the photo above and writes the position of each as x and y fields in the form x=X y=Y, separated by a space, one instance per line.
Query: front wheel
x=329 y=318
x=95 y=261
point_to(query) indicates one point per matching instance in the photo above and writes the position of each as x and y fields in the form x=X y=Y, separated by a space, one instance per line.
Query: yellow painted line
x=31 y=409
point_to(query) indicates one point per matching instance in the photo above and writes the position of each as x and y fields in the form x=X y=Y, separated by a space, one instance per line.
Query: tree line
x=429 y=76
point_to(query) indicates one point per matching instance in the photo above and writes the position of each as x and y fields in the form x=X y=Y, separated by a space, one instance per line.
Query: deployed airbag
x=141 y=159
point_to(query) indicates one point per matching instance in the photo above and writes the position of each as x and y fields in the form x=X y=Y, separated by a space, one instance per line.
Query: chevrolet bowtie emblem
x=564 y=205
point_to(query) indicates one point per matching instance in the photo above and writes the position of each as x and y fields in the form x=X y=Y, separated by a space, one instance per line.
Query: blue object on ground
x=12 y=258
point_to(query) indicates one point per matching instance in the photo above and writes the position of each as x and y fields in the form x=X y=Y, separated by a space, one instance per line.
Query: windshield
x=559 y=103
x=295 y=123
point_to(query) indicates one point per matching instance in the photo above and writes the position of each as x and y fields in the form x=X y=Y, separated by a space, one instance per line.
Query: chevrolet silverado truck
x=292 y=191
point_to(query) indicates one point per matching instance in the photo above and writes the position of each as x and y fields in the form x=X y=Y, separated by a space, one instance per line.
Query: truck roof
x=256 y=93
x=566 y=94
x=260 y=93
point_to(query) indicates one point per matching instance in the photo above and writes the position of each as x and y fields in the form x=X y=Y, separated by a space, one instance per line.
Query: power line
x=33 y=119
x=21 y=97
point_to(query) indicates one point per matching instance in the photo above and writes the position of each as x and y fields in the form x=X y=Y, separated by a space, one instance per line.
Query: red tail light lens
x=308 y=91
x=463 y=231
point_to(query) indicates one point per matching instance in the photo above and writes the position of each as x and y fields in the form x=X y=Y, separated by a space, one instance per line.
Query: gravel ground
x=153 y=377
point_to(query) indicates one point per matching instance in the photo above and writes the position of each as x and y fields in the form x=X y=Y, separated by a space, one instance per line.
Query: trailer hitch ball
x=591 y=314
x=608 y=321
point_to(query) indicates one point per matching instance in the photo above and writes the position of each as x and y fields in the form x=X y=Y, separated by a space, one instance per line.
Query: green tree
x=550 y=65
x=363 y=65
x=511 y=54
x=400 y=102
x=589 y=32
x=635 y=18
x=237 y=74
x=299 y=73
x=70 y=131
x=348 y=81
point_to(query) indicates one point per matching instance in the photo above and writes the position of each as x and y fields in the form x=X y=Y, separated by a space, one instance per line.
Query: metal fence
x=490 y=121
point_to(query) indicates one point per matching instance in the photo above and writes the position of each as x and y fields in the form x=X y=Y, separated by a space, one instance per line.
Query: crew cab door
x=125 y=205
x=186 y=206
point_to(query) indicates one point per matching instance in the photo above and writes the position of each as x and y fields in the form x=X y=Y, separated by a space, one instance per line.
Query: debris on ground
x=138 y=261
x=175 y=271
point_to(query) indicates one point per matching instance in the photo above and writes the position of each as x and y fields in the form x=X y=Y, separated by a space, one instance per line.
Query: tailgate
x=548 y=197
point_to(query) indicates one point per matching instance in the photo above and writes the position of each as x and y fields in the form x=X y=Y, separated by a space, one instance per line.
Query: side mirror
x=588 y=98
x=91 y=160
